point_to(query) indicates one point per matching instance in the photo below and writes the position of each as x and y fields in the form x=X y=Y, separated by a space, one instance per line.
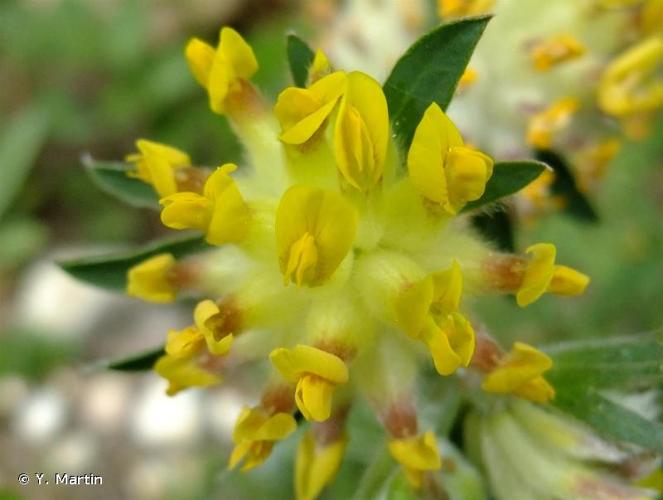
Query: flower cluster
x=341 y=260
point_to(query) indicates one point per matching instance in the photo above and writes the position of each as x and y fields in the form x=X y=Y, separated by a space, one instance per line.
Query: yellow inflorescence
x=369 y=240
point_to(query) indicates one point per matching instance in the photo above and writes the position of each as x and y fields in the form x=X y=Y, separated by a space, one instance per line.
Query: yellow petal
x=412 y=306
x=238 y=53
x=254 y=424
x=233 y=61
x=199 y=55
x=302 y=112
x=230 y=216
x=328 y=218
x=433 y=138
x=313 y=396
x=186 y=211
x=316 y=465
x=448 y=289
x=555 y=50
x=537 y=390
x=445 y=359
x=567 y=281
x=172 y=155
x=149 y=280
x=303 y=359
x=319 y=68
x=538 y=274
x=362 y=132
x=183 y=343
x=302 y=261
x=217 y=345
x=156 y=165
x=183 y=372
x=255 y=433
x=418 y=452
x=451 y=343
x=467 y=172
x=520 y=372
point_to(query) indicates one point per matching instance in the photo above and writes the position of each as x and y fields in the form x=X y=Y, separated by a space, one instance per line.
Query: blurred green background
x=92 y=76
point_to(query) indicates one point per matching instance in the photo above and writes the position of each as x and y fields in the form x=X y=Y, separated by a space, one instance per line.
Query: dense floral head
x=342 y=257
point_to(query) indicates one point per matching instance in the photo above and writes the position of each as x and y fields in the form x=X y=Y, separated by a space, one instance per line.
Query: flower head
x=378 y=247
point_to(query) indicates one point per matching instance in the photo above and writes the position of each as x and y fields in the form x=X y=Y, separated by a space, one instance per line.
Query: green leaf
x=628 y=362
x=429 y=71
x=138 y=362
x=20 y=143
x=300 y=57
x=110 y=271
x=508 y=177
x=609 y=418
x=111 y=177
x=564 y=186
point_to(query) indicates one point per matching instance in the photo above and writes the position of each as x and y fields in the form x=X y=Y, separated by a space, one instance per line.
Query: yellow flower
x=156 y=164
x=209 y=321
x=457 y=8
x=542 y=275
x=441 y=167
x=206 y=331
x=557 y=49
x=151 y=279
x=315 y=230
x=520 y=373
x=316 y=373
x=362 y=132
x=183 y=372
x=223 y=71
x=428 y=310
x=417 y=455
x=303 y=112
x=255 y=434
x=220 y=212
x=632 y=83
x=316 y=465
x=544 y=125
x=184 y=343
